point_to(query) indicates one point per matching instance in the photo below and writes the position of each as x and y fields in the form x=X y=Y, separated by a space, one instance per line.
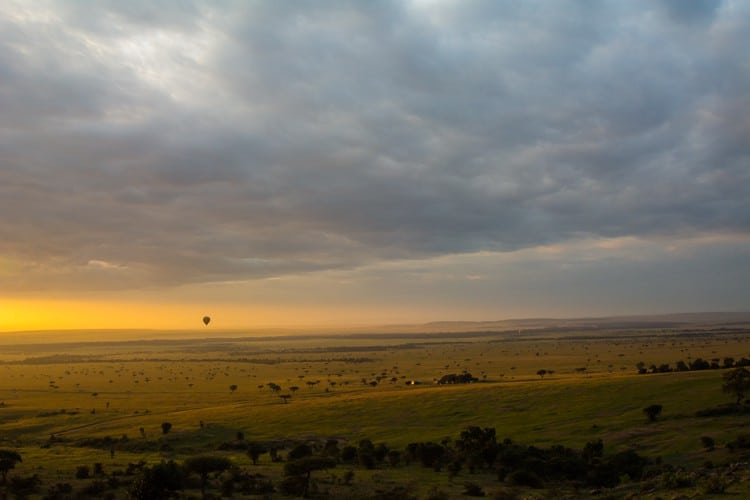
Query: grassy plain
x=77 y=391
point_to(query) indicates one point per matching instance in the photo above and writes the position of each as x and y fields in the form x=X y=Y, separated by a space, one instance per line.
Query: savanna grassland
x=65 y=406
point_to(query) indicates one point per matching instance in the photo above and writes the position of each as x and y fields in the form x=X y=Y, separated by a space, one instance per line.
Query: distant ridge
x=642 y=321
x=667 y=320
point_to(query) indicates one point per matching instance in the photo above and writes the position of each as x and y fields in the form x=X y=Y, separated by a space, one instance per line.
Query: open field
x=61 y=402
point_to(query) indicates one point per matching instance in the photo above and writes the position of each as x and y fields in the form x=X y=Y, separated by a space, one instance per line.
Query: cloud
x=194 y=142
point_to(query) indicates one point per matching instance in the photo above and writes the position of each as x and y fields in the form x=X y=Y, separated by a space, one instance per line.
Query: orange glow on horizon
x=19 y=315
x=25 y=315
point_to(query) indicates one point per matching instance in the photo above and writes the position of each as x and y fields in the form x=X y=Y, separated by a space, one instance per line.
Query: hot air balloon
x=206 y=320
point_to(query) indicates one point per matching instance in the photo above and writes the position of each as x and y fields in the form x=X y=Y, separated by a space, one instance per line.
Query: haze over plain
x=329 y=163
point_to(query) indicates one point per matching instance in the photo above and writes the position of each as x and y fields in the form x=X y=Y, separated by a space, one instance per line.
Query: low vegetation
x=547 y=414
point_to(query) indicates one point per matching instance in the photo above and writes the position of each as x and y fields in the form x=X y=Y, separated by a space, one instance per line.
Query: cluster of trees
x=696 y=364
x=476 y=449
x=521 y=465
x=460 y=378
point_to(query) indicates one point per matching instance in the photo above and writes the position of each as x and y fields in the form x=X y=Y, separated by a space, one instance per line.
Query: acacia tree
x=737 y=382
x=159 y=481
x=303 y=468
x=204 y=465
x=255 y=450
x=8 y=461
x=274 y=387
x=166 y=427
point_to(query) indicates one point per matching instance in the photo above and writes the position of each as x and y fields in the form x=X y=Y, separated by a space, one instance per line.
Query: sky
x=359 y=163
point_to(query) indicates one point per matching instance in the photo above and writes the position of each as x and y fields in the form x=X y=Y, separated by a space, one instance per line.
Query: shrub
x=437 y=494
x=348 y=477
x=742 y=442
x=95 y=489
x=380 y=451
x=628 y=462
x=254 y=484
x=652 y=412
x=300 y=451
x=366 y=458
x=82 y=472
x=349 y=454
x=395 y=493
x=21 y=487
x=593 y=450
x=676 y=479
x=603 y=475
x=714 y=484
x=524 y=478
x=255 y=450
x=720 y=411
x=59 y=491
x=508 y=493
x=331 y=448
x=293 y=485
x=708 y=442
x=473 y=490
x=430 y=454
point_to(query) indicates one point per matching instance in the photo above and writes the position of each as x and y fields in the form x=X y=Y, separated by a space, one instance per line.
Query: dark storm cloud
x=173 y=142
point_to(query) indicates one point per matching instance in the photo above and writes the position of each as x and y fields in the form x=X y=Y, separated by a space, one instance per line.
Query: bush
x=380 y=451
x=722 y=410
x=473 y=490
x=430 y=454
x=82 y=472
x=742 y=442
x=714 y=484
x=652 y=412
x=708 y=442
x=95 y=489
x=293 y=486
x=508 y=493
x=603 y=475
x=366 y=458
x=255 y=450
x=300 y=451
x=348 y=454
x=593 y=450
x=395 y=493
x=254 y=484
x=437 y=494
x=524 y=478
x=676 y=479
x=59 y=491
x=630 y=463
x=21 y=487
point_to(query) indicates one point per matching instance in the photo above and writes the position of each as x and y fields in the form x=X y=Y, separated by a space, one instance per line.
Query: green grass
x=128 y=389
